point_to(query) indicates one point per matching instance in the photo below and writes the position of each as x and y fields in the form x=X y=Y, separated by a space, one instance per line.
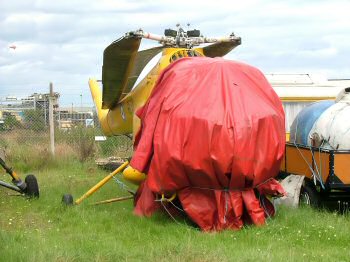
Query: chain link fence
x=25 y=123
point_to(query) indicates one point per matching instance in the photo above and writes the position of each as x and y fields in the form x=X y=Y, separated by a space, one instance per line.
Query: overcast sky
x=63 y=41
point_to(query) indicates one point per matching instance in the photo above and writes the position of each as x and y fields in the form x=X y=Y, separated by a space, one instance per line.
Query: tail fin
x=101 y=113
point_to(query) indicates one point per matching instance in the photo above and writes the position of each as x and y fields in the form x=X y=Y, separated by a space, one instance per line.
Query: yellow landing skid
x=129 y=173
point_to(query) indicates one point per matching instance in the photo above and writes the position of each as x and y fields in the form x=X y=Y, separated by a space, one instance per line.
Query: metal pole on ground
x=51 y=122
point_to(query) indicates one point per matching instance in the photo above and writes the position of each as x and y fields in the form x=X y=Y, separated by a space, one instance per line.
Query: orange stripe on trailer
x=341 y=166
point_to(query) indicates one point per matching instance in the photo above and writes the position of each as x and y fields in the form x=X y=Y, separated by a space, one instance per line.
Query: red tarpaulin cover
x=213 y=132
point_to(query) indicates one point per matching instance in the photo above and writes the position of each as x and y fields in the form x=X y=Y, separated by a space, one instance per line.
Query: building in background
x=37 y=106
x=299 y=90
x=14 y=112
x=69 y=117
x=34 y=101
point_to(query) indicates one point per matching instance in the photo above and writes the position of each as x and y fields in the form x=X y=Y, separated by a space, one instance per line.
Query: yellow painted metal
x=101 y=113
x=101 y=183
x=122 y=120
x=113 y=200
x=15 y=176
x=287 y=136
x=116 y=121
x=134 y=176
x=297 y=99
x=200 y=50
x=164 y=199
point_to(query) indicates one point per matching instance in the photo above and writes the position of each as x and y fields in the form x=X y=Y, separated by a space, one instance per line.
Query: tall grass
x=28 y=149
x=83 y=140
x=45 y=230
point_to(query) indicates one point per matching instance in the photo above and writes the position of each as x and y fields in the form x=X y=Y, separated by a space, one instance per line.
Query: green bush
x=11 y=122
x=34 y=119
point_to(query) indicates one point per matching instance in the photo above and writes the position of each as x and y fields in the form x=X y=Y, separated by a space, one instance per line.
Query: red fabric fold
x=212 y=131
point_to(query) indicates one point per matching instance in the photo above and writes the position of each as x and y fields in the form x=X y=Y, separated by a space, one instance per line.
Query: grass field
x=44 y=230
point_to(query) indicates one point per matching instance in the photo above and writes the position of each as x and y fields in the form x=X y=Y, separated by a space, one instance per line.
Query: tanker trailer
x=316 y=162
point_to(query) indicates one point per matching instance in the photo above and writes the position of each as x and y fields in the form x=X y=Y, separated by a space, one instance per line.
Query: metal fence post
x=51 y=122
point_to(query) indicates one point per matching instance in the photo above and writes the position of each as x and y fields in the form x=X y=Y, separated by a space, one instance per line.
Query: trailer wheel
x=32 y=189
x=67 y=199
x=309 y=196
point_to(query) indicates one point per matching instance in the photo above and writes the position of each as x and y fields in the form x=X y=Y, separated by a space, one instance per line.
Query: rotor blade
x=118 y=60
x=141 y=60
x=221 y=48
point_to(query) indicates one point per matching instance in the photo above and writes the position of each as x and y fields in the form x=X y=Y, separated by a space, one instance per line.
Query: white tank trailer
x=324 y=124
x=315 y=169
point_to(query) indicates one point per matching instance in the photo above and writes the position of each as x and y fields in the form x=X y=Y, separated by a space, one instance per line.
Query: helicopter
x=202 y=94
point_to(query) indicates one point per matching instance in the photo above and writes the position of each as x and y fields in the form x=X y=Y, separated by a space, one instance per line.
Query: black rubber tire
x=67 y=199
x=32 y=189
x=309 y=196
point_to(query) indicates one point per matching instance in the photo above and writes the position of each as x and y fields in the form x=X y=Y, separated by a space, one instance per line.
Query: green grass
x=44 y=230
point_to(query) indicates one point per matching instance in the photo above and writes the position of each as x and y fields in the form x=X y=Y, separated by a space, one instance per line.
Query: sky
x=63 y=41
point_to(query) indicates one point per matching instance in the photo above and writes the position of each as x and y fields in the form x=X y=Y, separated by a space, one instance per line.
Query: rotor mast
x=181 y=38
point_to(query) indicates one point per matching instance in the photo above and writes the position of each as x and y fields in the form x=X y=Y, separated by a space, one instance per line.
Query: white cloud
x=63 y=41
